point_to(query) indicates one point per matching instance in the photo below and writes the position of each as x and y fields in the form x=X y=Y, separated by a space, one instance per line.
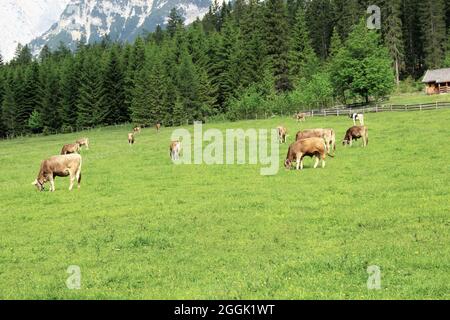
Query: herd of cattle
x=318 y=143
x=315 y=143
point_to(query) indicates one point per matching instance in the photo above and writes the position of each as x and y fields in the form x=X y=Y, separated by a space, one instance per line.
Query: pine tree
x=31 y=98
x=188 y=88
x=175 y=22
x=319 y=15
x=393 y=37
x=114 y=89
x=45 y=54
x=447 y=56
x=433 y=32
x=252 y=41
x=335 y=44
x=277 y=42
x=50 y=106
x=22 y=56
x=90 y=106
x=348 y=13
x=150 y=93
x=69 y=87
x=412 y=37
x=9 y=106
x=302 y=59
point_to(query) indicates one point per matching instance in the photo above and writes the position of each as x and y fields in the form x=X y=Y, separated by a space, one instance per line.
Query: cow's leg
x=316 y=164
x=52 y=184
x=351 y=142
x=323 y=161
x=72 y=180
x=78 y=177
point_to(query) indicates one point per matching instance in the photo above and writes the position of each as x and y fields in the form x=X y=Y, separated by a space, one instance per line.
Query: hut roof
x=438 y=76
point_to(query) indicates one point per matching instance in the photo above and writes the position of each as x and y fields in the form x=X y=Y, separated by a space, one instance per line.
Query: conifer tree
x=114 y=89
x=393 y=36
x=50 y=106
x=69 y=87
x=277 y=42
x=302 y=58
x=433 y=32
x=90 y=106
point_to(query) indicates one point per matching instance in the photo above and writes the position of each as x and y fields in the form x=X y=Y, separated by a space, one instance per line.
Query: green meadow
x=142 y=228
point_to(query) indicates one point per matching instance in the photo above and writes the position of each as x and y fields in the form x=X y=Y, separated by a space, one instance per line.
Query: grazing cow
x=175 y=149
x=70 y=148
x=311 y=147
x=137 y=130
x=158 y=127
x=131 y=138
x=59 y=166
x=355 y=133
x=282 y=134
x=357 y=116
x=300 y=116
x=83 y=142
x=327 y=134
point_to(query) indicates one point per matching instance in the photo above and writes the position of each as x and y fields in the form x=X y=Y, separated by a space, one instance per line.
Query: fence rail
x=378 y=108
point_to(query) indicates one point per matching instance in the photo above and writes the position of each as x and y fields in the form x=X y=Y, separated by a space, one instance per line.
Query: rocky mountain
x=122 y=20
x=23 y=20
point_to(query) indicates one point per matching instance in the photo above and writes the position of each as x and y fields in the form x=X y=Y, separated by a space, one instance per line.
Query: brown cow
x=355 y=133
x=83 y=142
x=327 y=134
x=131 y=138
x=137 y=130
x=158 y=127
x=300 y=116
x=59 y=166
x=175 y=149
x=70 y=148
x=282 y=134
x=311 y=147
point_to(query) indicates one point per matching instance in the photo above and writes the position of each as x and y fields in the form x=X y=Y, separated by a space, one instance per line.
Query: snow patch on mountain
x=122 y=20
x=23 y=20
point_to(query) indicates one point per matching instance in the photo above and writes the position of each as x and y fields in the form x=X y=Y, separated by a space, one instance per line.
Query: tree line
x=241 y=60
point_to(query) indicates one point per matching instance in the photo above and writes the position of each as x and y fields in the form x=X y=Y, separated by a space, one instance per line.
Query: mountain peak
x=122 y=20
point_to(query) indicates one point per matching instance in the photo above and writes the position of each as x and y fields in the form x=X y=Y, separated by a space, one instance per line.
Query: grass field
x=143 y=228
x=418 y=98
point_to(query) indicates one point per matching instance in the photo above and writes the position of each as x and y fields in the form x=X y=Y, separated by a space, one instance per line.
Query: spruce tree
x=69 y=86
x=150 y=93
x=433 y=32
x=412 y=29
x=319 y=15
x=50 y=107
x=253 y=46
x=302 y=58
x=277 y=42
x=114 y=80
x=447 y=55
x=393 y=37
x=175 y=22
x=90 y=106
x=31 y=98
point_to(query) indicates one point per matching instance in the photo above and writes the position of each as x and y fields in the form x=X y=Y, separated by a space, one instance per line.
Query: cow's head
x=39 y=184
x=345 y=142
x=287 y=164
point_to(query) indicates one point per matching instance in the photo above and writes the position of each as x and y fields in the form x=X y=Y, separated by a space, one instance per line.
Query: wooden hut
x=437 y=81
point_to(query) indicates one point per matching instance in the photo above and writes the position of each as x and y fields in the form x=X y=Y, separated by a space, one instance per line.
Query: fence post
x=312 y=113
x=421 y=107
x=436 y=105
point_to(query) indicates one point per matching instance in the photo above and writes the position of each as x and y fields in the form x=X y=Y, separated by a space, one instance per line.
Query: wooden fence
x=378 y=108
